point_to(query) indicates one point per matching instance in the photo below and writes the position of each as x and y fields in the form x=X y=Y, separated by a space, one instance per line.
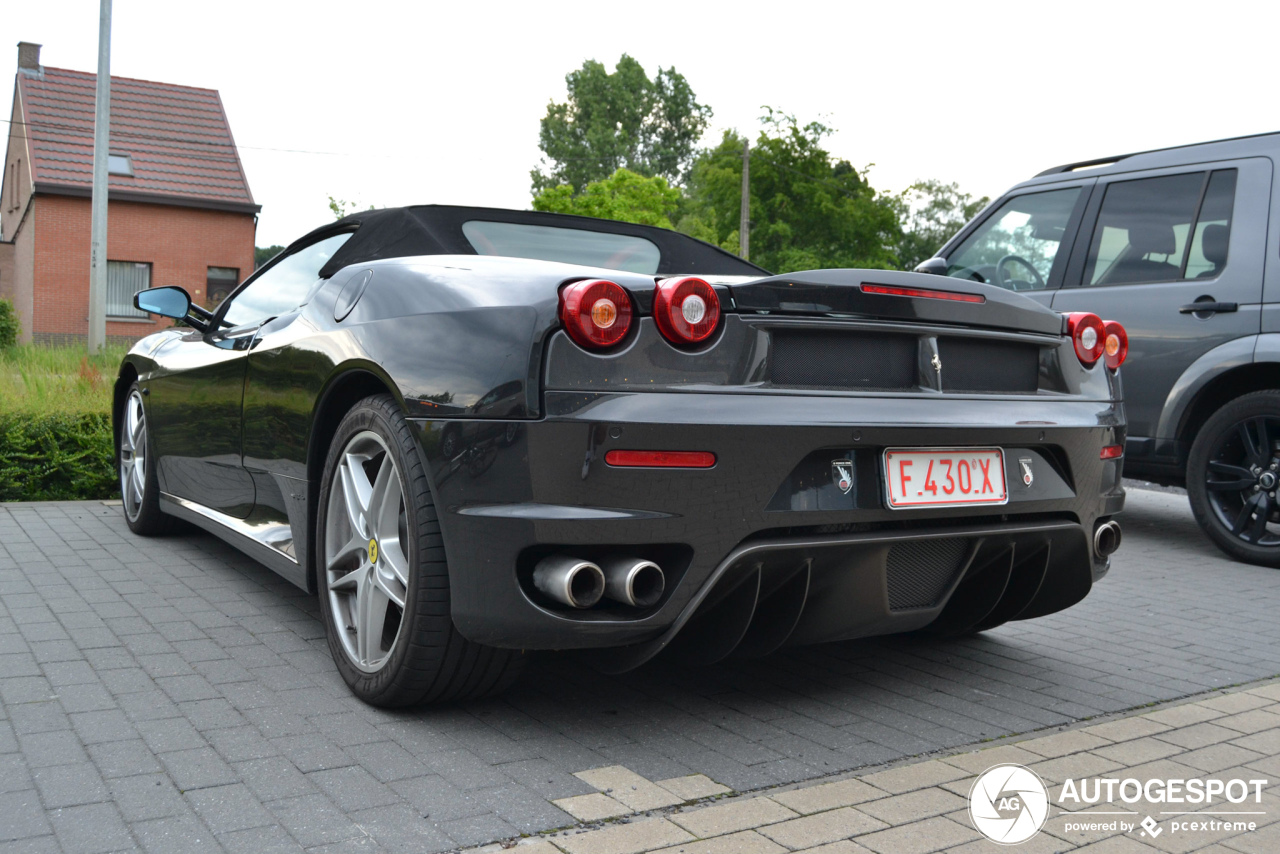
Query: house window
x=124 y=279
x=222 y=281
x=119 y=164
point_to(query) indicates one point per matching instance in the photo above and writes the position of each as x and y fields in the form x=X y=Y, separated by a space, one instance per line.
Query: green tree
x=623 y=119
x=341 y=207
x=263 y=254
x=930 y=213
x=807 y=211
x=624 y=196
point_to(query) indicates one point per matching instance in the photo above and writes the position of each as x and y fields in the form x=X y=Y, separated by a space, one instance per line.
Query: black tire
x=133 y=455
x=428 y=660
x=1241 y=441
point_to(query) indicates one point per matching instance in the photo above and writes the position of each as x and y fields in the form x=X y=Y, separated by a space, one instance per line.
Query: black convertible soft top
x=438 y=230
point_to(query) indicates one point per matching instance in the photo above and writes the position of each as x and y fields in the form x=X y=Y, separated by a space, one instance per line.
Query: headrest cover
x=1213 y=243
x=1152 y=238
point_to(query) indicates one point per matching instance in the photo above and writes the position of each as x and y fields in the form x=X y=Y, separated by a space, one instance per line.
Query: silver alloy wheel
x=133 y=455
x=366 y=555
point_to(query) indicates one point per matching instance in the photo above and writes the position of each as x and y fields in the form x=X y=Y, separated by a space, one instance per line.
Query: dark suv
x=1180 y=246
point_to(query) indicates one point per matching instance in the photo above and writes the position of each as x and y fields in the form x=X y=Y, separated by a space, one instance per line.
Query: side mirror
x=166 y=302
x=934 y=266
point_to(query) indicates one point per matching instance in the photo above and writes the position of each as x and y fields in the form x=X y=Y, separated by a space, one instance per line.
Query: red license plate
x=944 y=477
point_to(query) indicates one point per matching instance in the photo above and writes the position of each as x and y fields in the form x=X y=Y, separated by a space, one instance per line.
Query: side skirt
x=265 y=543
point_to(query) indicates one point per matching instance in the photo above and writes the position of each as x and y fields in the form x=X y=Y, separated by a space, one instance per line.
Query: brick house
x=179 y=207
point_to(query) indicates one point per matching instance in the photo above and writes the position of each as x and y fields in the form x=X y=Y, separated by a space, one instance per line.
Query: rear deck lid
x=893 y=295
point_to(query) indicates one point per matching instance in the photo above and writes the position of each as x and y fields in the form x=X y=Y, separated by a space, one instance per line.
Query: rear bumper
x=769 y=593
x=508 y=495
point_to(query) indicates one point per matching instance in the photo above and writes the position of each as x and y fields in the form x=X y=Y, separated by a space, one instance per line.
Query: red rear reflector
x=922 y=293
x=1111 y=452
x=661 y=459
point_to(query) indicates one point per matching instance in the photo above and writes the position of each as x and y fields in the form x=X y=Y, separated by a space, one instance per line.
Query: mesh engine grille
x=828 y=359
x=975 y=364
x=920 y=572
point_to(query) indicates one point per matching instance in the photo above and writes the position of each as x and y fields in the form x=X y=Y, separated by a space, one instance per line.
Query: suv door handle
x=1209 y=307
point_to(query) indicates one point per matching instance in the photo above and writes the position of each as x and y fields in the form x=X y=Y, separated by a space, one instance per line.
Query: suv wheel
x=383 y=578
x=1233 y=478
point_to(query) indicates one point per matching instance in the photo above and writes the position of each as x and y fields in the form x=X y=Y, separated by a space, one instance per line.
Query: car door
x=194 y=400
x=1154 y=244
x=278 y=390
x=198 y=405
x=1024 y=242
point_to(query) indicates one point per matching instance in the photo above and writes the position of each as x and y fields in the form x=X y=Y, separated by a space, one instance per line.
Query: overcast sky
x=390 y=103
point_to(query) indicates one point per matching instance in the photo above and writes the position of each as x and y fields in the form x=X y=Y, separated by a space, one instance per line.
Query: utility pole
x=101 y=148
x=744 y=218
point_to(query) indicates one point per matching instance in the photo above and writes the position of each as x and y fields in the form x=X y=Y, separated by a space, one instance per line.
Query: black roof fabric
x=437 y=230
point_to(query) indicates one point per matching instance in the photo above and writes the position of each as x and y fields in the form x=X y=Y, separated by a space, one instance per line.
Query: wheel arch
x=127 y=377
x=1224 y=388
x=1225 y=372
x=349 y=384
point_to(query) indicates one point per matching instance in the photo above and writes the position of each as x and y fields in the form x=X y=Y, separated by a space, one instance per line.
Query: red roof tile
x=177 y=137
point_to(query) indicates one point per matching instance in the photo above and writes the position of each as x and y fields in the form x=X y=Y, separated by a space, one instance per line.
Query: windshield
x=570 y=245
x=1016 y=246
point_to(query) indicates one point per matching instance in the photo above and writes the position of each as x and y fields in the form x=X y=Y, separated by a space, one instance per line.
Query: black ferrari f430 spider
x=475 y=433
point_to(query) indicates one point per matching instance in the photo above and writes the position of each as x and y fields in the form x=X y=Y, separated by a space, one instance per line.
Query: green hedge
x=9 y=324
x=56 y=457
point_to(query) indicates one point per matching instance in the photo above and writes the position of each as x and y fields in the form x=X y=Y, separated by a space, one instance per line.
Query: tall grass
x=43 y=380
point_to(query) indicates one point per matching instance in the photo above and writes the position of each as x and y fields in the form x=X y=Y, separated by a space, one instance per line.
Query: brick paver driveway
x=172 y=695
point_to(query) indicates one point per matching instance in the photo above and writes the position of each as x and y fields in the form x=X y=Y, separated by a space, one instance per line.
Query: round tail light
x=1088 y=335
x=1115 y=344
x=687 y=310
x=596 y=313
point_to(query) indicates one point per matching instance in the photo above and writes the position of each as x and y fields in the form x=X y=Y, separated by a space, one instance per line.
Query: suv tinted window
x=1143 y=226
x=281 y=288
x=1208 y=256
x=1029 y=228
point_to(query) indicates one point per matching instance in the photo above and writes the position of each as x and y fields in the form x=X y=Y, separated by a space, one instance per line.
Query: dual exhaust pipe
x=1106 y=538
x=639 y=583
x=580 y=583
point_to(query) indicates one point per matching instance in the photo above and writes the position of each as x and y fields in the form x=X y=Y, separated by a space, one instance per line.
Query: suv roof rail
x=1107 y=161
x=1085 y=164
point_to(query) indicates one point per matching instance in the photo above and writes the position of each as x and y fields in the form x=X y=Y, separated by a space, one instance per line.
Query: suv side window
x=1208 y=256
x=1016 y=246
x=1144 y=225
x=282 y=287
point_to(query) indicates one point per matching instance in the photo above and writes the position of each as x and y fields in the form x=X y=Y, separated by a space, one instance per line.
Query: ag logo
x=1008 y=804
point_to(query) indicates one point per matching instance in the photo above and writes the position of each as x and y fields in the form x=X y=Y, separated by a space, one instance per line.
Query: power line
x=122 y=134
x=125 y=134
